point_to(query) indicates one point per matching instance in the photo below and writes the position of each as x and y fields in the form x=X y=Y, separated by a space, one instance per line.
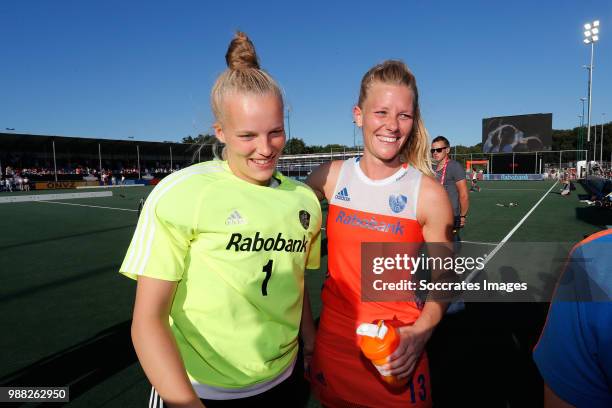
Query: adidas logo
x=343 y=195
x=235 y=219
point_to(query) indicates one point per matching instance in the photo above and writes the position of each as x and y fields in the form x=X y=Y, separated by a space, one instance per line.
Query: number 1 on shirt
x=268 y=270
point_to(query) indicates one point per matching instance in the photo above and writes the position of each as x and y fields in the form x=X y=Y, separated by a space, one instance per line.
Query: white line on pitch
x=84 y=205
x=111 y=186
x=479 y=243
x=473 y=273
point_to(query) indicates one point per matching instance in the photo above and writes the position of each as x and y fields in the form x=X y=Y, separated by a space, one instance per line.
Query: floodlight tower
x=289 y=120
x=603 y=119
x=581 y=132
x=591 y=36
x=289 y=128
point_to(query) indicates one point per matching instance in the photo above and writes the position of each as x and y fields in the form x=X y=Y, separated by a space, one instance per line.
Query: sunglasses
x=438 y=150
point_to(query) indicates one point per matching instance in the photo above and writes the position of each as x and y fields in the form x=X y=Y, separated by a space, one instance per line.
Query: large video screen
x=521 y=133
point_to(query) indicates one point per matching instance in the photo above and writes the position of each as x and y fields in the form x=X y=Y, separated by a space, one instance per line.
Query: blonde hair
x=243 y=75
x=416 y=149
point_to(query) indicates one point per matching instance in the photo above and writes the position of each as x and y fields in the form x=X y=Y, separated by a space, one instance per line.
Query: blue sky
x=115 y=69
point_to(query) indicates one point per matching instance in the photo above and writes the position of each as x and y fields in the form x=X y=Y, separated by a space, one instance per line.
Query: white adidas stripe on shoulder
x=140 y=251
x=181 y=176
x=143 y=248
x=143 y=224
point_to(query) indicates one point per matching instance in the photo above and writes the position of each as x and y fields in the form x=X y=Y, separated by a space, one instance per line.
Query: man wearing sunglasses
x=452 y=177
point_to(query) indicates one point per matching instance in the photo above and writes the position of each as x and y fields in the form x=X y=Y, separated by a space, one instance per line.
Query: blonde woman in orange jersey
x=387 y=195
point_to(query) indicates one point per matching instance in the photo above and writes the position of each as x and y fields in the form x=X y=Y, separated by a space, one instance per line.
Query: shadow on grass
x=82 y=366
x=53 y=239
x=597 y=216
x=33 y=290
x=482 y=356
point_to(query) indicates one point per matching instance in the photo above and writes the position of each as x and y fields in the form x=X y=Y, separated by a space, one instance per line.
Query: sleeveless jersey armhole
x=417 y=191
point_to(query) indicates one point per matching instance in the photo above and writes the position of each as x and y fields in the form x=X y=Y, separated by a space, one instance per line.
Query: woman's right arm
x=155 y=345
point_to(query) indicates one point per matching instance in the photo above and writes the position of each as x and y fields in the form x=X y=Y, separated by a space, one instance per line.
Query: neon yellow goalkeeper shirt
x=238 y=252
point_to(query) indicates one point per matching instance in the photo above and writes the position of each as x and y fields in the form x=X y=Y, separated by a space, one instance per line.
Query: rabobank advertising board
x=498 y=177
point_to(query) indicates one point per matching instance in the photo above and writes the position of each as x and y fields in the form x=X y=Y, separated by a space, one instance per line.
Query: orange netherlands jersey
x=364 y=210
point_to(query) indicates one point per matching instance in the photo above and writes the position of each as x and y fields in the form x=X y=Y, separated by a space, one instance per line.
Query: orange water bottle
x=379 y=341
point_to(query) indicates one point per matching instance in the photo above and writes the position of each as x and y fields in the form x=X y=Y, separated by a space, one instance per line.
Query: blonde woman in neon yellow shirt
x=219 y=253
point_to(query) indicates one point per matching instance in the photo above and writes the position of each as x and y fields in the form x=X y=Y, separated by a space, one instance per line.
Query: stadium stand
x=40 y=158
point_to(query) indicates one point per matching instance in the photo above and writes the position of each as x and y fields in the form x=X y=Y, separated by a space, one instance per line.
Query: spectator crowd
x=21 y=179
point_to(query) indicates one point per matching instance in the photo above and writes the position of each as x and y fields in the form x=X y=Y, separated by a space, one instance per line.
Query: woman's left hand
x=308 y=332
x=308 y=352
x=404 y=359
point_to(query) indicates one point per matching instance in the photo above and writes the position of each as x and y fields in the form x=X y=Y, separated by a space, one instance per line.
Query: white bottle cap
x=372 y=330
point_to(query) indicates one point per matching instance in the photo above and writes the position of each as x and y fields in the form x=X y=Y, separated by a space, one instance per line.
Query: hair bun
x=241 y=53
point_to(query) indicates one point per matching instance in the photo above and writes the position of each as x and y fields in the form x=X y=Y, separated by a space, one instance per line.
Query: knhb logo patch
x=397 y=202
x=304 y=219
